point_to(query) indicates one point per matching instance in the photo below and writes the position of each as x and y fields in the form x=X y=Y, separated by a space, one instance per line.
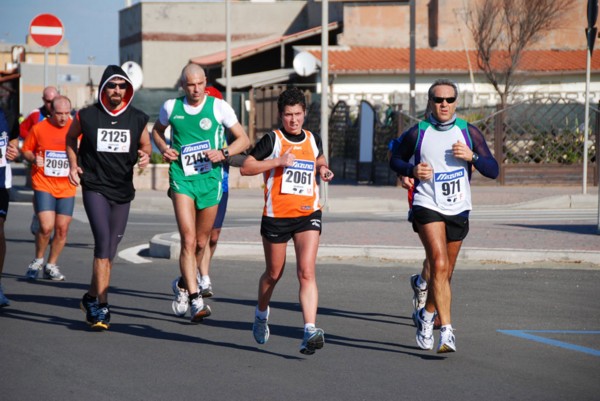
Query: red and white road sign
x=46 y=30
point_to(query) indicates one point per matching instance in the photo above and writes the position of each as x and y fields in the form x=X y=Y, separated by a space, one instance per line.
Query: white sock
x=422 y=284
x=427 y=316
x=447 y=327
x=263 y=315
x=205 y=281
x=200 y=300
x=40 y=261
x=309 y=326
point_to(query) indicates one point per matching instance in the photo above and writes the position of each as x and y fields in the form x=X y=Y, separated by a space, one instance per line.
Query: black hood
x=114 y=71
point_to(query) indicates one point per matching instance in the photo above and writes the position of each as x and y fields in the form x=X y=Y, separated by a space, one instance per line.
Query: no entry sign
x=46 y=30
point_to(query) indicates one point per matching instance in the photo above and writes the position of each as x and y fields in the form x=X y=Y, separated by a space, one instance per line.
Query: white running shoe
x=205 y=289
x=181 y=302
x=447 y=341
x=419 y=295
x=34 y=269
x=3 y=300
x=424 y=334
x=260 y=330
x=199 y=310
x=51 y=272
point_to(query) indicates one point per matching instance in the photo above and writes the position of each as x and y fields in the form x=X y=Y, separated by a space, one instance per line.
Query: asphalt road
x=523 y=331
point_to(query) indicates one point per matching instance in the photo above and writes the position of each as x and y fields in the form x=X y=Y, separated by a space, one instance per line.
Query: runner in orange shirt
x=290 y=159
x=54 y=195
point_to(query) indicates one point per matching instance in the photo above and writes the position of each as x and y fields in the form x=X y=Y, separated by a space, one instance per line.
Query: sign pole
x=45 y=67
x=47 y=31
x=56 y=67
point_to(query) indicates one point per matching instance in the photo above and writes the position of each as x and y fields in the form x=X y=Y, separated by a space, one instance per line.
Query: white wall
x=382 y=89
x=72 y=82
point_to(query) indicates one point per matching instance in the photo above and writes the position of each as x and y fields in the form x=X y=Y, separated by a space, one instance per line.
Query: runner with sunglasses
x=114 y=138
x=445 y=148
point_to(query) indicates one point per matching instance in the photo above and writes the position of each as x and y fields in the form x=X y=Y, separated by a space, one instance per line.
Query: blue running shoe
x=260 y=330
x=102 y=318
x=89 y=306
x=314 y=339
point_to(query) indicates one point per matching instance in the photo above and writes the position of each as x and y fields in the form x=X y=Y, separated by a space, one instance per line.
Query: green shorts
x=205 y=193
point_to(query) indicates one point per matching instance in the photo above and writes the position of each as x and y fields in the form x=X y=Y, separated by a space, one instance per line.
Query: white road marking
x=132 y=254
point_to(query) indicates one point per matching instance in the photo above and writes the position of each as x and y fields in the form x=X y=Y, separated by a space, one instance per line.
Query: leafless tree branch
x=503 y=29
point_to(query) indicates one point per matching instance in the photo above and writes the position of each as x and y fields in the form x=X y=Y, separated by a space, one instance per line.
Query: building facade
x=163 y=37
x=369 y=32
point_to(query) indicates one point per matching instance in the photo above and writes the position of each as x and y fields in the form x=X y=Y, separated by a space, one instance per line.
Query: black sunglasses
x=440 y=100
x=113 y=85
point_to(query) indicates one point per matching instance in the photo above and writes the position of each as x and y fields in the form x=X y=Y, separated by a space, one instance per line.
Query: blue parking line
x=526 y=335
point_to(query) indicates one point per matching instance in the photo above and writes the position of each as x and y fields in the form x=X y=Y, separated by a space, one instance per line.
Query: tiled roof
x=377 y=60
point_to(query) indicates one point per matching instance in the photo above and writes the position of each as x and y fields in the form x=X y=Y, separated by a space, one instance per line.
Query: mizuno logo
x=303 y=165
x=204 y=145
x=449 y=176
x=178 y=117
x=113 y=122
x=58 y=155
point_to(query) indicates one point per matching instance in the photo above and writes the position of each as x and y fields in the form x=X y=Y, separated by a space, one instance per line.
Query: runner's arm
x=158 y=135
x=259 y=161
x=403 y=151
x=241 y=141
x=486 y=164
x=144 y=148
x=71 y=145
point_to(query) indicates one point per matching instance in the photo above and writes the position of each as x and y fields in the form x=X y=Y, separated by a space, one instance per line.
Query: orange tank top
x=292 y=191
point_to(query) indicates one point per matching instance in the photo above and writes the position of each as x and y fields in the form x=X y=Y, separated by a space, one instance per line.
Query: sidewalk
x=508 y=225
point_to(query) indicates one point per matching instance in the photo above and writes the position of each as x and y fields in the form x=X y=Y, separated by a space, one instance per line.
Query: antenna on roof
x=305 y=64
x=134 y=72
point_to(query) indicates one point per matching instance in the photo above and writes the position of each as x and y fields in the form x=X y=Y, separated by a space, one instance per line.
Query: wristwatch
x=225 y=152
x=475 y=157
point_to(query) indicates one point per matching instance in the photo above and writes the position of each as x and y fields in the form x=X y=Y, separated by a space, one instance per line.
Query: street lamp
x=90 y=82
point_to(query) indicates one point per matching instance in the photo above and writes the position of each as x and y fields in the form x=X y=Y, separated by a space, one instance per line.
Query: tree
x=503 y=29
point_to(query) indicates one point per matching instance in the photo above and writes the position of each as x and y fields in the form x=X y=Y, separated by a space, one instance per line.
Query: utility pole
x=325 y=88
x=412 y=103
x=228 y=51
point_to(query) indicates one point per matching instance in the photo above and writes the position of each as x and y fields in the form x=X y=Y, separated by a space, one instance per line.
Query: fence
x=538 y=141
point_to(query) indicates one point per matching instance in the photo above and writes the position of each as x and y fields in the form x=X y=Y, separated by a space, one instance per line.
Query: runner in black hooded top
x=113 y=139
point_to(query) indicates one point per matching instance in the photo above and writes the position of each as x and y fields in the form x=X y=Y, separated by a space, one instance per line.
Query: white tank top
x=449 y=191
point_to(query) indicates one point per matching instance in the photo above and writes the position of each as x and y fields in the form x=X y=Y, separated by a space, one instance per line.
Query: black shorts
x=4 y=198
x=280 y=230
x=457 y=227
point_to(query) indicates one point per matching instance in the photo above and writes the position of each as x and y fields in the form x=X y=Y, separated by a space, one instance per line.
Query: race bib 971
x=450 y=187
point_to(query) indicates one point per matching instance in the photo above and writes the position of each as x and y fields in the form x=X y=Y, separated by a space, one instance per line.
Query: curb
x=167 y=246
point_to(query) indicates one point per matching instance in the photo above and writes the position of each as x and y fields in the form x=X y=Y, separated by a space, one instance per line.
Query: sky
x=90 y=26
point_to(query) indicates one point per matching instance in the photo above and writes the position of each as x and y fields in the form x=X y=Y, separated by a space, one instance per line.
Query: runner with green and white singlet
x=197 y=152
